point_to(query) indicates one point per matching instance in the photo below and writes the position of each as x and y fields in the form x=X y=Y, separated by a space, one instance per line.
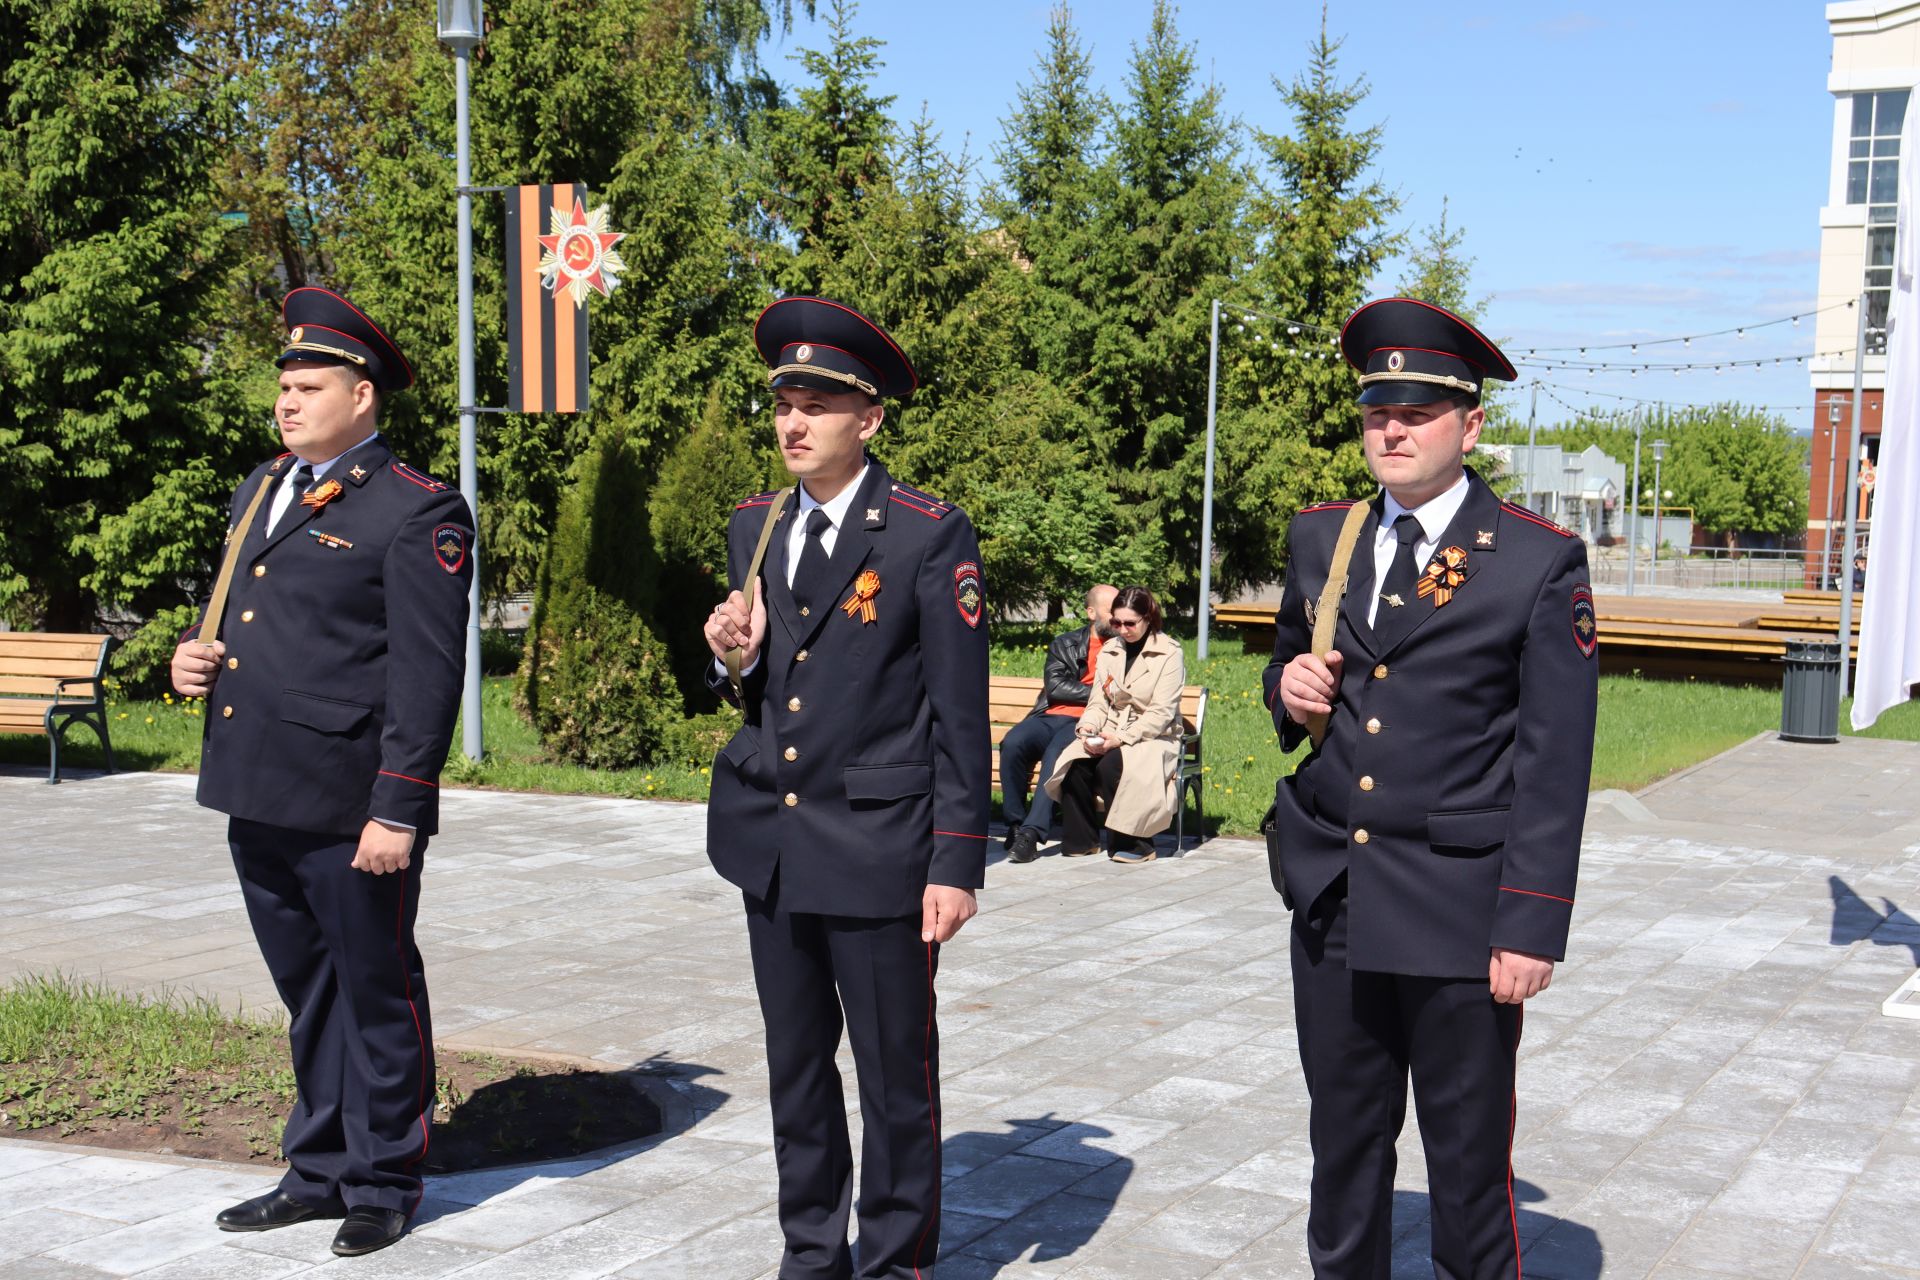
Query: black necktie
x=810 y=578
x=1395 y=615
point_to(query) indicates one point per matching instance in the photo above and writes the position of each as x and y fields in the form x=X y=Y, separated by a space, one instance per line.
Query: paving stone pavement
x=1708 y=1089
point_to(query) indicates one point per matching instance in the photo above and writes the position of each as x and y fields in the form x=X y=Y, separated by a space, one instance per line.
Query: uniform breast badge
x=320 y=497
x=865 y=588
x=330 y=540
x=1444 y=575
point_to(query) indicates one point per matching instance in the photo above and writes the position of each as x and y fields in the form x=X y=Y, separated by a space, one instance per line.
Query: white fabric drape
x=1890 y=610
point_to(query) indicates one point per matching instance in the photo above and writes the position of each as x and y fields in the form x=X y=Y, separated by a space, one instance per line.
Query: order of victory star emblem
x=580 y=254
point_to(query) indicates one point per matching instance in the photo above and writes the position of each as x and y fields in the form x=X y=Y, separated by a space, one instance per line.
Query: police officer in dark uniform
x=851 y=807
x=331 y=658
x=1429 y=845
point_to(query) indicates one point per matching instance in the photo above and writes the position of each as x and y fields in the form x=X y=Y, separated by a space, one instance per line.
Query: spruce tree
x=123 y=422
x=1289 y=426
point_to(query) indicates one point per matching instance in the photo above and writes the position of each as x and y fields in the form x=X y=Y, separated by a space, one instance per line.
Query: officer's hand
x=943 y=909
x=383 y=848
x=1309 y=685
x=196 y=666
x=1513 y=976
x=732 y=625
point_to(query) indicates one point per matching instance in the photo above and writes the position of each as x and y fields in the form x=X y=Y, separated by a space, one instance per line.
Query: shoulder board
x=279 y=462
x=1327 y=506
x=925 y=503
x=1532 y=518
x=757 y=500
x=420 y=478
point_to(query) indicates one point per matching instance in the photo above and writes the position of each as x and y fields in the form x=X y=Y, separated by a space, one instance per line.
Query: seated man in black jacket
x=1048 y=728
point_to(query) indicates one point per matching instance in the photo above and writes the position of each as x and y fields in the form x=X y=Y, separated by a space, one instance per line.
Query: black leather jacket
x=1064 y=680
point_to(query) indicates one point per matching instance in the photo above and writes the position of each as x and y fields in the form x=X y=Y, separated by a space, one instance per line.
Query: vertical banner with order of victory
x=557 y=253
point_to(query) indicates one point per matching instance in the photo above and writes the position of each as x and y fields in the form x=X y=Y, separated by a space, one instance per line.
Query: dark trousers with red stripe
x=816 y=974
x=1361 y=1036
x=339 y=943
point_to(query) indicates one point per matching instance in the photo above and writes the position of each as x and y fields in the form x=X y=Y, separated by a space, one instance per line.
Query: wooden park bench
x=50 y=681
x=1010 y=698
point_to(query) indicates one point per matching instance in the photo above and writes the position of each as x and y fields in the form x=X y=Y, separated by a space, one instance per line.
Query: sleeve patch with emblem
x=969 y=596
x=1586 y=629
x=450 y=547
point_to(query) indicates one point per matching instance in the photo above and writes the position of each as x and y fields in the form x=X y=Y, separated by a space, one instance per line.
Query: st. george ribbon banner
x=558 y=251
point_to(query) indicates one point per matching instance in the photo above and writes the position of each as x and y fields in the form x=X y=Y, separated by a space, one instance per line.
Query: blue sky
x=1622 y=170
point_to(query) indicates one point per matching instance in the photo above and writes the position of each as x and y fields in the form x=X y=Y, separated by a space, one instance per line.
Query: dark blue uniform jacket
x=862 y=772
x=345 y=636
x=1452 y=784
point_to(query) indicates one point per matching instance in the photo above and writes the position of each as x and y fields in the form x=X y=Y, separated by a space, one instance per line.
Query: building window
x=1873 y=179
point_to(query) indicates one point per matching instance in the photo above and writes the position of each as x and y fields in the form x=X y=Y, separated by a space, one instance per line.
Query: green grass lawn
x=1648 y=729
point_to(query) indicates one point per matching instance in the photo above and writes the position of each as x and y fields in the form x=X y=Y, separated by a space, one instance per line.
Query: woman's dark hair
x=1141 y=601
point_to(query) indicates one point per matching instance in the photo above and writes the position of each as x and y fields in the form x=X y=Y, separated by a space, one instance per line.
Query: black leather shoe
x=274 y=1209
x=368 y=1228
x=1025 y=846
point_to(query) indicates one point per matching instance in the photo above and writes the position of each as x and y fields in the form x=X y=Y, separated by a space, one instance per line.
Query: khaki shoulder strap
x=223 y=585
x=737 y=656
x=1327 y=617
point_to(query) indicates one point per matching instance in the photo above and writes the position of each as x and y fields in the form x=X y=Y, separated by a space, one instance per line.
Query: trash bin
x=1810 y=694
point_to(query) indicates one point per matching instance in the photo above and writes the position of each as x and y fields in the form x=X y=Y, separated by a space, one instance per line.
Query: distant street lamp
x=1653 y=565
x=1576 y=503
x=460 y=28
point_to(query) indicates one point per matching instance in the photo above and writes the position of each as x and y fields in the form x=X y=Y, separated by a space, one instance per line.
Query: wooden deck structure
x=1736 y=641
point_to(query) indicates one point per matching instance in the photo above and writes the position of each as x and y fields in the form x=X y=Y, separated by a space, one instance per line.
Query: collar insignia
x=873 y=515
x=1483 y=538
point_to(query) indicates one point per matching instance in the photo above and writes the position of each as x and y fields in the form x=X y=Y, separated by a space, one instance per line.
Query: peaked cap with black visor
x=1412 y=352
x=324 y=328
x=827 y=345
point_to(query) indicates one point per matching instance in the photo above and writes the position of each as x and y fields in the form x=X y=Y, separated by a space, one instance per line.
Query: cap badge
x=865 y=588
x=803 y=353
x=1445 y=572
x=320 y=497
x=299 y=332
x=1396 y=361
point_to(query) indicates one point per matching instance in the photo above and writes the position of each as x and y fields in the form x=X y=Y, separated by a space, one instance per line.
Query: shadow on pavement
x=1856 y=920
x=1057 y=1226
x=674 y=1088
x=1555 y=1248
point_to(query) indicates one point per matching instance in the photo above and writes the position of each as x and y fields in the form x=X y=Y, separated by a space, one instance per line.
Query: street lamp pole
x=1633 y=529
x=460 y=30
x=1653 y=560
x=1206 y=500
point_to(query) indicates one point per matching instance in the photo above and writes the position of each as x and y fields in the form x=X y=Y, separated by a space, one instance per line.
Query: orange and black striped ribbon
x=546 y=331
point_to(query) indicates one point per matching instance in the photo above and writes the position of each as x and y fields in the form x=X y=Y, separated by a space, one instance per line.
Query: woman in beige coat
x=1126 y=749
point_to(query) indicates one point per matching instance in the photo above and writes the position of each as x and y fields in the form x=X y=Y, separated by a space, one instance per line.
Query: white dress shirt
x=836 y=508
x=283 y=496
x=1434 y=516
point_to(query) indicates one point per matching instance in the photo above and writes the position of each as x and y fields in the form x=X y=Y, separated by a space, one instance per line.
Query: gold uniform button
x=1361 y=836
x=259 y=571
x=791 y=754
x=1373 y=726
x=1380 y=672
x=233 y=664
x=247 y=616
x=226 y=713
x=800 y=656
x=1366 y=783
x=792 y=799
x=793 y=704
